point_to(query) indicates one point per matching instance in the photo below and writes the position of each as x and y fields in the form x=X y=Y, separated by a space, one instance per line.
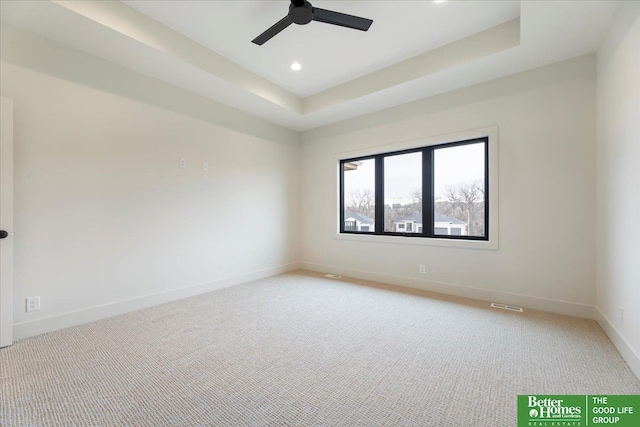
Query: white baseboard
x=628 y=354
x=527 y=301
x=48 y=324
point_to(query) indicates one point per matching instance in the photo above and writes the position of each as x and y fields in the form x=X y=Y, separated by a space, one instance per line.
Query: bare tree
x=391 y=215
x=465 y=201
x=362 y=202
x=416 y=196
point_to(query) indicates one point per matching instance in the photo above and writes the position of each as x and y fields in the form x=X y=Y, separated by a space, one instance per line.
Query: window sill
x=418 y=241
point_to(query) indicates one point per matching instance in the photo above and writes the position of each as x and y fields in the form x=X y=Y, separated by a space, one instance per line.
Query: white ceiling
x=413 y=49
x=330 y=55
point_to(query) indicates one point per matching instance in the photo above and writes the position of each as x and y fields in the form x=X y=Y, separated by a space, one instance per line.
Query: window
x=438 y=191
x=402 y=188
x=358 y=195
x=459 y=187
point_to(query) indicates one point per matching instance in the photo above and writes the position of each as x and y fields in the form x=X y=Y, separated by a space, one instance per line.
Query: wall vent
x=333 y=276
x=506 y=307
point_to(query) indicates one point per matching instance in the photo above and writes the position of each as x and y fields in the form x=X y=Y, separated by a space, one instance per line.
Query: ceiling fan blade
x=275 y=29
x=342 y=19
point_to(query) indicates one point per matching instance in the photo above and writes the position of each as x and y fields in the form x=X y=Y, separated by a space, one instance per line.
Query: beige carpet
x=303 y=350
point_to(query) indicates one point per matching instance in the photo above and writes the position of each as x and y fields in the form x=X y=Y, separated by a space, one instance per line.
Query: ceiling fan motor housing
x=301 y=12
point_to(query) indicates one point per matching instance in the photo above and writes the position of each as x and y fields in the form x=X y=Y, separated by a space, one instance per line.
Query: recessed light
x=439 y=1
x=296 y=66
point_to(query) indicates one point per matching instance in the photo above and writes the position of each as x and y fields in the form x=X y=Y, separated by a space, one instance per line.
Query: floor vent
x=506 y=307
x=333 y=276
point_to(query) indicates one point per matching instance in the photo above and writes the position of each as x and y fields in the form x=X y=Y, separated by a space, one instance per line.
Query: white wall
x=546 y=255
x=104 y=214
x=618 y=178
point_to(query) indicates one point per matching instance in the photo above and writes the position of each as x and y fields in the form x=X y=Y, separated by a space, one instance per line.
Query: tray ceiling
x=414 y=49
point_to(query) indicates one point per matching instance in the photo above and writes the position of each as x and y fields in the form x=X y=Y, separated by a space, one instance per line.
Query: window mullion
x=427 y=193
x=379 y=196
x=342 y=197
x=486 y=189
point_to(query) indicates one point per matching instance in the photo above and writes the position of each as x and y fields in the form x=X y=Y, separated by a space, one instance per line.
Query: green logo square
x=578 y=410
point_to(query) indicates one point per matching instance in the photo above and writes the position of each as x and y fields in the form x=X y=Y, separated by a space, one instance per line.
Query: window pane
x=459 y=190
x=403 y=193
x=359 y=195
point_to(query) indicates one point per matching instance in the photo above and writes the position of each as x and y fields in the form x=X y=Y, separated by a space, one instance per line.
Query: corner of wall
x=618 y=202
x=626 y=351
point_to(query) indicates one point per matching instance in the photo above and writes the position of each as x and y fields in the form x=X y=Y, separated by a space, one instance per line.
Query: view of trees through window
x=459 y=190
x=359 y=192
x=457 y=179
x=403 y=193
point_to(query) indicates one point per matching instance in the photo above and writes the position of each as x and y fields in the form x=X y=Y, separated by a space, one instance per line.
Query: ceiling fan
x=301 y=12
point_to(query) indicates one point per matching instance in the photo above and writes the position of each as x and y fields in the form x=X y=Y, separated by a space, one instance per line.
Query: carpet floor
x=303 y=350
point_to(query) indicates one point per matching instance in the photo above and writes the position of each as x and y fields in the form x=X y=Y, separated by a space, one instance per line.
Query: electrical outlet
x=205 y=166
x=183 y=163
x=271 y=259
x=33 y=303
x=621 y=316
x=423 y=269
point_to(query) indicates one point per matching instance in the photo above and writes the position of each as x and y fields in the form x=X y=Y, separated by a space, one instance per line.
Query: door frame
x=6 y=221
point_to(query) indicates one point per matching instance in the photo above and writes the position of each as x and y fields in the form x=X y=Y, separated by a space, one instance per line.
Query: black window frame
x=428 y=199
